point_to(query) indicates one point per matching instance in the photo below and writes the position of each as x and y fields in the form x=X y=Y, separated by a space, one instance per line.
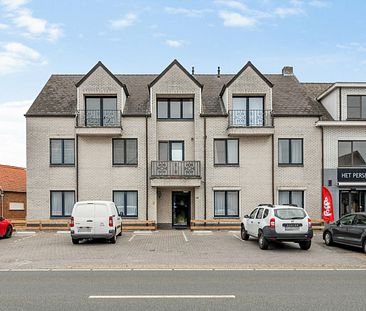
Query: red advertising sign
x=327 y=206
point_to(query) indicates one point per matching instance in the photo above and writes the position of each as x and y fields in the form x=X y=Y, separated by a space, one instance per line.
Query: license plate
x=292 y=228
x=84 y=229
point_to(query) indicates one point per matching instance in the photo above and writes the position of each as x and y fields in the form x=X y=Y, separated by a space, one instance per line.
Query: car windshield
x=290 y=213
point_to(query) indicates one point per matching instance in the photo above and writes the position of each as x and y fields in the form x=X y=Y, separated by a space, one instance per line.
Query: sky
x=323 y=40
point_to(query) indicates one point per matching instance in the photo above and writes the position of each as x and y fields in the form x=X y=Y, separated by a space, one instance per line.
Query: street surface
x=183 y=290
x=169 y=249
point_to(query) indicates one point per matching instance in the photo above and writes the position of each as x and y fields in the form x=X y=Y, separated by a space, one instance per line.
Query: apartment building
x=174 y=146
x=344 y=143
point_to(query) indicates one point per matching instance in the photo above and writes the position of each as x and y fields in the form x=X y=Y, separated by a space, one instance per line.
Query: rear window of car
x=290 y=213
x=83 y=210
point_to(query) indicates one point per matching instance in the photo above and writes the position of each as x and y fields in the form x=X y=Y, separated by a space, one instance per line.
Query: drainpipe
x=204 y=168
x=77 y=167
x=2 y=201
x=147 y=167
x=273 y=164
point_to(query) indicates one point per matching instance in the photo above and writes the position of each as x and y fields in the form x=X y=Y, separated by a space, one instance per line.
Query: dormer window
x=247 y=111
x=175 y=108
x=101 y=111
x=356 y=107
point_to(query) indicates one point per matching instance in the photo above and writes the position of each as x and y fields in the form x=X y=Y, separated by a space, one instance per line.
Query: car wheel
x=9 y=232
x=244 y=234
x=364 y=246
x=120 y=234
x=328 y=239
x=113 y=240
x=75 y=241
x=262 y=241
x=305 y=245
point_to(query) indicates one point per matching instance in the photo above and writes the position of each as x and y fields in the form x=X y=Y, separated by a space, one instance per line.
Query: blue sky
x=324 y=40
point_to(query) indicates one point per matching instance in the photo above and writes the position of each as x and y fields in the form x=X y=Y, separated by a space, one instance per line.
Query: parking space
x=169 y=249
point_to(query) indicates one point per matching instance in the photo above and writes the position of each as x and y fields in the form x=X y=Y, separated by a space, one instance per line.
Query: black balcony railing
x=250 y=118
x=176 y=169
x=99 y=118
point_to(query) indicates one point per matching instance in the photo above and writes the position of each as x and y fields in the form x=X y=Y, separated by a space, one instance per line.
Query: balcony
x=175 y=173
x=98 y=122
x=250 y=123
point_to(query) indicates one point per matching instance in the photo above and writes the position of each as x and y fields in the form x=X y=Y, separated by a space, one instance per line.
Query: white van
x=95 y=219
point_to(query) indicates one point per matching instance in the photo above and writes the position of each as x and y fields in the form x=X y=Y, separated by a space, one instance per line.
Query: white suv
x=278 y=223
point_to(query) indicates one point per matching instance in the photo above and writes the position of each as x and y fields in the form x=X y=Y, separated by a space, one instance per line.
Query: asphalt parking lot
x=175 y=249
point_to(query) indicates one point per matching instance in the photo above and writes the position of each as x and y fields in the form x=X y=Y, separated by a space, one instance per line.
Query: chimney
x=218 y=72
x=192 y=70
x=288 y=71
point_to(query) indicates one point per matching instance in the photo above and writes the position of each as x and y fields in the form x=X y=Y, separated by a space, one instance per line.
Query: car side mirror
x=121 y=214
x=338 y=223
x=246 y=216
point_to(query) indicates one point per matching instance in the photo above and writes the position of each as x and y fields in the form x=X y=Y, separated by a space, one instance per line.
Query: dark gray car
x=349 y=230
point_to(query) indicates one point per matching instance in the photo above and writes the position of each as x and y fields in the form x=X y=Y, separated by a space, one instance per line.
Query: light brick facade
x=257 y=177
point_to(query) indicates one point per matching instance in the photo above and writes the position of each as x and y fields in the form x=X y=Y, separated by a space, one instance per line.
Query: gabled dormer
x=101 y=97
x=247 y=98
x=175 y=94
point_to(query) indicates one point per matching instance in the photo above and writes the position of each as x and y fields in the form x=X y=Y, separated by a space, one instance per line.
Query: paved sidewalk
x=169 y=249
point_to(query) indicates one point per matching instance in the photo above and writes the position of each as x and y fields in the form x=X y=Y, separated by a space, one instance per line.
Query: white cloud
x=36 y=26
x=128 y=20
x=320 y=3
x=233 y=19
x=353 y=47
x=11 y=5
x=12 y=132
x=15 y=57
x=23 y=18
x=186 y=12
x=233 y=4
x=288 y=11
x=3 y=26
x=175 y=43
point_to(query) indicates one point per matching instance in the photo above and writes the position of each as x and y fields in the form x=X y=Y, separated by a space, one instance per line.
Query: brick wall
x=14 y=197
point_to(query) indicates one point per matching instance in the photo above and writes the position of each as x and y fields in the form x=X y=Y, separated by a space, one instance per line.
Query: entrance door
x=181 y=205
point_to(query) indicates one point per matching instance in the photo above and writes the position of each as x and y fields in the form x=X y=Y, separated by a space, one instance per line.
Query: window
x=266 y=212
x=253 y=213
x=16 y=206
x=125 y=151
x=226 y=151
x=352 y=153
x=247 y=111
x=360 y=220
x=226 y=203
x=291 y=197
x=126 y=202
x=290 y=151
x=260 y=214
x=171 y=151
x=356 y=107
x=62 y=203
x=101 y=111
x=62 y=151
x=175 y=108
x=347 y=220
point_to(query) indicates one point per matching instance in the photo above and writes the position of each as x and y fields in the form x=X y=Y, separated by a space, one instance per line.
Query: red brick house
x=13 y=203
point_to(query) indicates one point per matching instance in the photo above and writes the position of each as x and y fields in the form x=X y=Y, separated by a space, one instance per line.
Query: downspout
x=77 y=167
x=204 y=168
x=322 y=141
x=273 y=162
x=340 y=103
x=147 y=167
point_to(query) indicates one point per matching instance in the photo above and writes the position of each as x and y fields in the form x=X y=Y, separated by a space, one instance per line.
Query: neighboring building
x=13 y=188
x=174 y=146
x=344 y=132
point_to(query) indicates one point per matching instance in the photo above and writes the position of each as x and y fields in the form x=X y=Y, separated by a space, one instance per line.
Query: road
x=183 y=290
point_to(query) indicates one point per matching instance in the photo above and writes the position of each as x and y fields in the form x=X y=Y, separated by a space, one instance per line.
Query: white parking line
x=143 y=232
x=165 y=297
x=131 y=238
x=184 y=235
x=63 y=232
x=25 y=232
